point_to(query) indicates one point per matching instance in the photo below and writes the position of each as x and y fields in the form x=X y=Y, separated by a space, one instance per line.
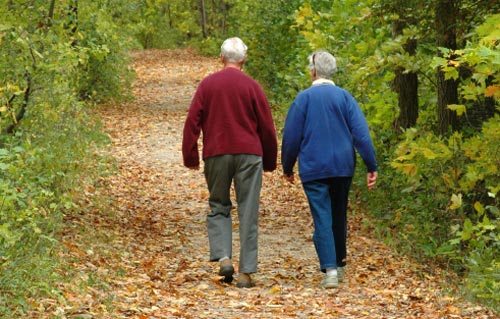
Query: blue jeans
x=328 y=199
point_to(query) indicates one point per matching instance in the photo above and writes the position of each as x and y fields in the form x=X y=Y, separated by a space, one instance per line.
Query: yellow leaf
x=456 y=201
x=479 y=208
x=429 y=154
x=409 y=169
x=304 y=12
x=275 y=289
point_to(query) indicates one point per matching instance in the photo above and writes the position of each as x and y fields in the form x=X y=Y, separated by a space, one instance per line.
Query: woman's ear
x=313 y=74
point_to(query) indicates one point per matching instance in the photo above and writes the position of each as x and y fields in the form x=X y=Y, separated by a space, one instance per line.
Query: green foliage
x=455 y=183
x=274 y=44
x=48 y=135
x=160 y=23
x=481 y=58
x=469 y=219
x=170 y=24
x=41 y=179
x=102 y=72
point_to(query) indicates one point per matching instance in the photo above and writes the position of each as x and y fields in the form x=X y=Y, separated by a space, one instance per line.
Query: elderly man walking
x=239 y=142
x=323 y=128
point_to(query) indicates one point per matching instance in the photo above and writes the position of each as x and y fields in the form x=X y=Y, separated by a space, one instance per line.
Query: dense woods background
x=426 y=73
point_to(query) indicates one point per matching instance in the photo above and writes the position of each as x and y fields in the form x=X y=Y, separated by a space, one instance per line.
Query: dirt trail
x=150 y=258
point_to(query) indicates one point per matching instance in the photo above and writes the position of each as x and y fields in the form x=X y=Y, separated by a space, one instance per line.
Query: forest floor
x=146 y=255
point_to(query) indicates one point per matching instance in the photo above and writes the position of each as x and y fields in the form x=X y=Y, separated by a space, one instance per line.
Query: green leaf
x=493 y=209
x=458 y=108
x=450 y=73
x=479 y=208
x=467 y=230
x=438 y=62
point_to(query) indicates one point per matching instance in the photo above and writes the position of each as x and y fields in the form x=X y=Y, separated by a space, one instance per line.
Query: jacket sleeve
x=191 y=132
x=267 y=132
x=292 y=137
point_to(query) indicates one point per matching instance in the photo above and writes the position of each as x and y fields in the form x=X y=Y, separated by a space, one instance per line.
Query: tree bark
x=169 y=14
x=405 y=84
x=19 y=116
x=445 y=22
x=51 y=12
x=203 y=13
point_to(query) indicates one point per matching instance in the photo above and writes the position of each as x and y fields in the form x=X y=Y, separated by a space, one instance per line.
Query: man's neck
x=233 y=65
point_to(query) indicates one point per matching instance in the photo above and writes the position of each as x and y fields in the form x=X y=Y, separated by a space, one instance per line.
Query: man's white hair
x=233 y=50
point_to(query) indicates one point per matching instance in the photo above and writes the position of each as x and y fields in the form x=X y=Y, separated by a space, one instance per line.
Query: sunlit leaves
x=456 y=201
x=458 y=108
x=489 y=31
x=483 y=60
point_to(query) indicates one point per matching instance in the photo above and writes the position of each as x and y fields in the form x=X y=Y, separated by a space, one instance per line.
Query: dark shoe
x=244 y=281
x=227 y=270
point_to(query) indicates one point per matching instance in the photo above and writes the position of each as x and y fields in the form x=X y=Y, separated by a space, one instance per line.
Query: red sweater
x=232 y=111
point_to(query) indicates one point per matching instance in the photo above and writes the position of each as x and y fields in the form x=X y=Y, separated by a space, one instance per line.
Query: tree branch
x=27 y=92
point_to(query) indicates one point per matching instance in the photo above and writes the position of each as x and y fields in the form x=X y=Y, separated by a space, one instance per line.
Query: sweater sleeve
x=191 y=132
x=292 y=135
x=361 y=135
x=267 y=132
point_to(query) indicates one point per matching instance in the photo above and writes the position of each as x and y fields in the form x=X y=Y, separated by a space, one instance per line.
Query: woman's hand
x=371 y=180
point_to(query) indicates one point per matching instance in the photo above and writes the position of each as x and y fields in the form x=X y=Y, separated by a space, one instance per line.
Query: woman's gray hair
x=233 y=50
x=324 y=63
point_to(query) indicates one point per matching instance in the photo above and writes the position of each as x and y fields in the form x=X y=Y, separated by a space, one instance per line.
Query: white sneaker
x=331 y=281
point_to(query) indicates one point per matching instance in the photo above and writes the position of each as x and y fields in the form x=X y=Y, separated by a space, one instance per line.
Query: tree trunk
x=203 y=12
x=20 y=115
x=51 y=12
x=405 y=84
x=445 y=22
x=169 y=14
x=72 y=20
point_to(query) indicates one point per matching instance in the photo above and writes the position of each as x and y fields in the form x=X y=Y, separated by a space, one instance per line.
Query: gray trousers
x=246 y=172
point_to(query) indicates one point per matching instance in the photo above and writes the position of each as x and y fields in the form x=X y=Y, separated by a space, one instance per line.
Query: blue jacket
x=323 y=127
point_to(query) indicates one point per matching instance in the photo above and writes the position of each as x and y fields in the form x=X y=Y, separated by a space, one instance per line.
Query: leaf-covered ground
x=146 y=255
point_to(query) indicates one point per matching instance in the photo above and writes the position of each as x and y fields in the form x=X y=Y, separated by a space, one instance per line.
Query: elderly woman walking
x=323 y=128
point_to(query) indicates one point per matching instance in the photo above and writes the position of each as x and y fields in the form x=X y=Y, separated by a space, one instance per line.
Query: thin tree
x=203 y=12
x=51 y=12
x=445 y=21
